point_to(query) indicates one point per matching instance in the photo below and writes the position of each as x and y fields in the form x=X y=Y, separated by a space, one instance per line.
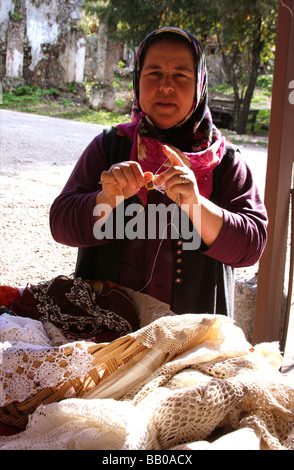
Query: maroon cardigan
x=199 y=281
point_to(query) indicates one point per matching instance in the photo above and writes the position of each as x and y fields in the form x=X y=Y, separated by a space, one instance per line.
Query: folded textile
x=83 y=310
x=203 y=376
x=8 y=294
x=25 y=368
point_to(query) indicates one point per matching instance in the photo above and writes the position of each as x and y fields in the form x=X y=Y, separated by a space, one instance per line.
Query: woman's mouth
x=165 y=104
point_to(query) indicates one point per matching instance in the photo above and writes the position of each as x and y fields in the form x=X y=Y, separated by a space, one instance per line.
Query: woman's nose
x=166 y=85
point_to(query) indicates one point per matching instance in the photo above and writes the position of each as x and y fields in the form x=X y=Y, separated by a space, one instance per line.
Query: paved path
x=35 y=142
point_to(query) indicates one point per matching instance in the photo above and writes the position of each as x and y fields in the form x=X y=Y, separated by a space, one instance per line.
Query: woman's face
x=167 y=83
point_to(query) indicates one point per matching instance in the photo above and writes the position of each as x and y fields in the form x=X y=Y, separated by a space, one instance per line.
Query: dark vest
x=210 y=290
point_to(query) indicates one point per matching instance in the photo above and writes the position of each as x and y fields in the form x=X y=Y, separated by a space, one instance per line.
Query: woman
x=172 y=146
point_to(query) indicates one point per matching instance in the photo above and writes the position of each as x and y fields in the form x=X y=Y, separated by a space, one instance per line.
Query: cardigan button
x=179 y=260
x=178 y=280
x=179 y=242
x=179 y=252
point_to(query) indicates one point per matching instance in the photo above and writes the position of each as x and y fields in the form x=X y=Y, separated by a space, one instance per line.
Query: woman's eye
x=177 y=76
x=181 y=75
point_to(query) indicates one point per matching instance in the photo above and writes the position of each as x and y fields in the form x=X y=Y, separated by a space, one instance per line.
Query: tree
x=246 y=40
x=244 y=30
x=130 y=21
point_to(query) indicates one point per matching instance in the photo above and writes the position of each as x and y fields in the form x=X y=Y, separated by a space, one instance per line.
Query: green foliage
x=243 y=30
x=72 y=88
x=265 y=82
x=23 y=90
x=121 y=16
x=120 y=103
x=106 y=118
x=52 y=102
x=121 y=64
x=235 y=19
x=29 y=96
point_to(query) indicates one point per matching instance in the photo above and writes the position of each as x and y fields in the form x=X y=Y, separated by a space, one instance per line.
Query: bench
x=223 y=112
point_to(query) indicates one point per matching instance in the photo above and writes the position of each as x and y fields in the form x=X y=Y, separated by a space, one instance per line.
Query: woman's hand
x=208 y=217
x=179 y=181
x=123 y=180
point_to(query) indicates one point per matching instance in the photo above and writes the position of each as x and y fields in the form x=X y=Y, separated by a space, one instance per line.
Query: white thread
x=157 y=253
x=161 y=187
x=161 y=167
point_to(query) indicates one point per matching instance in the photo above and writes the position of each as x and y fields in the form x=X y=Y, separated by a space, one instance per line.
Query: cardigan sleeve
x=243 y=236
x=71 y=214
x=240 y=243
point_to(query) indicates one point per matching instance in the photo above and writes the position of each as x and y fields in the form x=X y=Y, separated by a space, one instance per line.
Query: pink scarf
x=207 y=143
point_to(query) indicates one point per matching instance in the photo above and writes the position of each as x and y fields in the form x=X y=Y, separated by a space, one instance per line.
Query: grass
x=107 y=118
x=56 y=103
x=70 y=105
x=261 y=101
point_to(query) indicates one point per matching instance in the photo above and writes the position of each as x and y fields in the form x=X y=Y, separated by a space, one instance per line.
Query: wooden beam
x=271 y=274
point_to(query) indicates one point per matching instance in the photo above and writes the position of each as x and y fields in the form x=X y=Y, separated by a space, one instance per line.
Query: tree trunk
x=255 y=64
x=229 y=62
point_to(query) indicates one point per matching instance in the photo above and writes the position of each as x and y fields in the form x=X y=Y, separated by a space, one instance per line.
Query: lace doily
x=29 y=362
x=202 y=376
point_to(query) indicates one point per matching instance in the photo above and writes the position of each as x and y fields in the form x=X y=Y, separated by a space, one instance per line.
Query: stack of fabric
x=196 y=384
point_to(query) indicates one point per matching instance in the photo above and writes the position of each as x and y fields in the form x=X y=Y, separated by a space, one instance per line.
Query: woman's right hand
x=123 y=180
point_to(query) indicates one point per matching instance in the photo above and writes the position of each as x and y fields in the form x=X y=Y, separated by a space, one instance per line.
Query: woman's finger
x=125 y=178
x=121 y=175
x=181 y=182
x=171 y=173
x=174 y=158
x=107 y=178
x=128 y=173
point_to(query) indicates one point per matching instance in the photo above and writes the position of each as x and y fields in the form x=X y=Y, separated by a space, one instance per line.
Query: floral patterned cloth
x=83 y=310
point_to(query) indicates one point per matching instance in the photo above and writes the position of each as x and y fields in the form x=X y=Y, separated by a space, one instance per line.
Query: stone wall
x=216 y=75
x=102 y=55
x=41 y=42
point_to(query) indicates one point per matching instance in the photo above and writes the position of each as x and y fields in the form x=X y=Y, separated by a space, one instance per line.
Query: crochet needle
x=108 y=182
x=148 y=186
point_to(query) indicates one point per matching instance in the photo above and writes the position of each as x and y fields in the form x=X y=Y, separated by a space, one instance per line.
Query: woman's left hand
x=180 y=182
x=209 y=221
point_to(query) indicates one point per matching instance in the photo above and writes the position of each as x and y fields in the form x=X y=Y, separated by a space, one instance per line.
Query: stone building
x=102 y=55
x=41 y=42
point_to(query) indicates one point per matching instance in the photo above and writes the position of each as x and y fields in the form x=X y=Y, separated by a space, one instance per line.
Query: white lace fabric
x=198 y=374
x=29 y=362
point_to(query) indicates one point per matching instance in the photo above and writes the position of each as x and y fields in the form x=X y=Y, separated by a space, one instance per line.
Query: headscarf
x=196 y=140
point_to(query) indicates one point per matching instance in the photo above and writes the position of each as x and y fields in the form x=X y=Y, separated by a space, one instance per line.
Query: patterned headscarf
x=196 y=140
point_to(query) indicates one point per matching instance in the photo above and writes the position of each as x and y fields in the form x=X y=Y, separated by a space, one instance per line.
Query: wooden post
x=271 y=275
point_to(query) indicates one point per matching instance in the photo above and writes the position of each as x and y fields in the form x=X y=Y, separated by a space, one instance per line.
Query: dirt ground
x=37 y=157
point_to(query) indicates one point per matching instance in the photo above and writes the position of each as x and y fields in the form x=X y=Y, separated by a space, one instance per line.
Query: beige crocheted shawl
x=197 y=376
